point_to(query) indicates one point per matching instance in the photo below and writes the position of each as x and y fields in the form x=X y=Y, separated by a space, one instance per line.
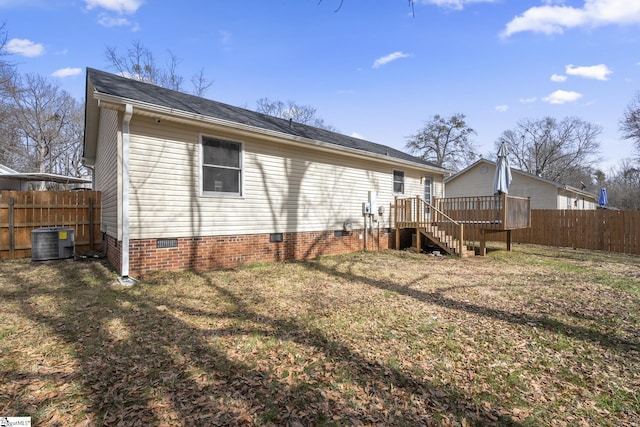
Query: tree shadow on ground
x=139 y=360
x=615 y=343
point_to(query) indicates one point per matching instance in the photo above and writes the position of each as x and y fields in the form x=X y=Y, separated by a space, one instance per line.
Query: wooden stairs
x=428 y=221
x=444 y=241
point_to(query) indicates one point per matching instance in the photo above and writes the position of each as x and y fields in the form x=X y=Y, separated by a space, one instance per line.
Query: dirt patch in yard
x=538 y=336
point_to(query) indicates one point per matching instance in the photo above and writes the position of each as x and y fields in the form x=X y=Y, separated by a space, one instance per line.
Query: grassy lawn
x=539 y=336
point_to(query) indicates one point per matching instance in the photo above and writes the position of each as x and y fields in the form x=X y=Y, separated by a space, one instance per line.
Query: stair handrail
x=447 y=218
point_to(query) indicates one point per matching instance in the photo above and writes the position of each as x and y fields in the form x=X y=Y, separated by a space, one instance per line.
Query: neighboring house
x=477 y=180
x=8 y=183
x=189 y=183
x=12 y=180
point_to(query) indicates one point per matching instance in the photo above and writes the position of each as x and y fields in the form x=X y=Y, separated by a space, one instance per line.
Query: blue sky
x=371 y=69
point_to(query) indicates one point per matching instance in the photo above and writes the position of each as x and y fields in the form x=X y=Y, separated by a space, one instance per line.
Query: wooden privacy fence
x=24 y=211
x=605 y=230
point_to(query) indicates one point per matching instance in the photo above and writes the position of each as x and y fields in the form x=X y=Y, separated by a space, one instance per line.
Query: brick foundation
x=219 y=252
x=114 y=251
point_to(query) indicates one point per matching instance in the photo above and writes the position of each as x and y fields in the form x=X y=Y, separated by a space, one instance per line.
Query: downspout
x=124 y=278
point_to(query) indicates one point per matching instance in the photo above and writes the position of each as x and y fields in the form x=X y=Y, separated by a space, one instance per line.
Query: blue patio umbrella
x=603 y=197
x=502 y=177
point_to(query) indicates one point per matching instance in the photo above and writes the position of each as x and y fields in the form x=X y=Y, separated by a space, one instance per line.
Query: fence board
x=605 y=230
x=24 y=211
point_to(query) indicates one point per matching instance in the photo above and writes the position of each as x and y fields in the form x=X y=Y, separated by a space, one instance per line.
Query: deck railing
x=418 y=213
x=499 y=212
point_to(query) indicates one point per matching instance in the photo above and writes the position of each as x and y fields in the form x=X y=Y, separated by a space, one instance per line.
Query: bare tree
x=140 y=63
x=341 y=2
x=47 y=126
x=623 y=186
x=556 y=150
x=7 y=70
x=8 y=154
x=630 y=124
x=304 y=114
x=200 y=83
x=444 y=141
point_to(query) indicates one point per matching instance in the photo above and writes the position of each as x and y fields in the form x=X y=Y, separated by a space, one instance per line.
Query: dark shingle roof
x=111 y=84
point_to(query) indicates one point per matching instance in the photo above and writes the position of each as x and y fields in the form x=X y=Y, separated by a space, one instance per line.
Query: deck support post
x=418 y=220
x=483 y=240
x=483 y=243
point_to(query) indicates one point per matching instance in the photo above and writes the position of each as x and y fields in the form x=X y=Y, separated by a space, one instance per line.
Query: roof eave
x=117 y=102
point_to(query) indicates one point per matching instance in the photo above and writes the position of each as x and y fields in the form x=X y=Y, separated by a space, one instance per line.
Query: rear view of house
x=189 y=183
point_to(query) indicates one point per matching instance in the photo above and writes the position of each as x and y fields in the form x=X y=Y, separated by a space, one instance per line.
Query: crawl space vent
x=166 y=243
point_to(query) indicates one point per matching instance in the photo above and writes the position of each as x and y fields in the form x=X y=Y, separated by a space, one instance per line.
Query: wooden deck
x=444 y=221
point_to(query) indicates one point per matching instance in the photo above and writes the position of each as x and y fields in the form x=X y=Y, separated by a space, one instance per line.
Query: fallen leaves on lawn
x=535 y=337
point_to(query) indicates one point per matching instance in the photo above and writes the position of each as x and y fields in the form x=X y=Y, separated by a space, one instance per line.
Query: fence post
x=91 y=237
x=12 y=240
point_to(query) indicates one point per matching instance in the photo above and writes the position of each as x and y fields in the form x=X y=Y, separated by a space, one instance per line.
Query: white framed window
x=222 y=163
x=398 y=181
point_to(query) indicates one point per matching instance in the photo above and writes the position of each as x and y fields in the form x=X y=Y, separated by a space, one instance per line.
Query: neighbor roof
x=518 y=171
x=111 y=84
x=6 y=170
x=49 y=177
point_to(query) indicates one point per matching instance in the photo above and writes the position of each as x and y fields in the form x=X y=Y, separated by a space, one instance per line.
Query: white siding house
x=477 y=180
x=200 y=184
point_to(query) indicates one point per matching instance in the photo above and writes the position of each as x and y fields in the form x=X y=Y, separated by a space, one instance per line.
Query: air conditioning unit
x=52 y=243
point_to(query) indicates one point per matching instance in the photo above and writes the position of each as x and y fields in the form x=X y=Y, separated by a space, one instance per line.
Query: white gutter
x=125 y=279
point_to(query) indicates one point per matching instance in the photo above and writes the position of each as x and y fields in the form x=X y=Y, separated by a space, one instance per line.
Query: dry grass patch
x=535 y=337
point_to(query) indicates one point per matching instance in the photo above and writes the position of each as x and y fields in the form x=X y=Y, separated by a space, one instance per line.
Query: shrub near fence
x=605 y=230
x=24 y=211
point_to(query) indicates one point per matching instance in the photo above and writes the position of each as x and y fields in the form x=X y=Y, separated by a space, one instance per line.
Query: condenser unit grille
x=52 y=243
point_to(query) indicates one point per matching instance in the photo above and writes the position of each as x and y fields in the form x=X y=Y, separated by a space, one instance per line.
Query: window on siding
x=428 y=189
x=221 y=166
x=398 y=182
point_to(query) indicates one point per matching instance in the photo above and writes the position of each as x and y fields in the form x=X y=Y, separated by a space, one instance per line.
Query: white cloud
x=67 y=72
x=24 y=47
x=389 y=58
x=501 y=108
x=598 y=72
x=453 y=4
x=112 y=21
x=119 y=6
x=562 y=97
x=554 y=19
x=528 y=100
x=115 y=11
x=357 y=135
x=558 y=78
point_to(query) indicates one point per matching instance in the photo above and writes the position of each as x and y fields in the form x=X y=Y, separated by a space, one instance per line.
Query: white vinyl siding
x=106 y=178
x=544 y=194
x=286 y=188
